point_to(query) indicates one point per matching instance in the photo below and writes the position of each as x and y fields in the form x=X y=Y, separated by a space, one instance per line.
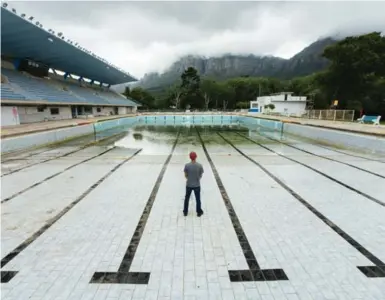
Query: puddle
x=155 y=139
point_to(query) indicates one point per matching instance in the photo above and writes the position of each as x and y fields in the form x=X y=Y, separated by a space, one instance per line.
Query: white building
x=284 y=103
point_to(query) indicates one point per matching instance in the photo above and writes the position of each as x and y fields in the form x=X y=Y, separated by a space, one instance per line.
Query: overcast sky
x=142 y=37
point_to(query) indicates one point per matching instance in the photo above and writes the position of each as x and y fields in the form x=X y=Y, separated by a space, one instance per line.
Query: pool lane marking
x=54 y=175
x=376 y=271
x=254 y=273
x=6 y=276
x=318 y=172
x=325 y=157
x=123 y=275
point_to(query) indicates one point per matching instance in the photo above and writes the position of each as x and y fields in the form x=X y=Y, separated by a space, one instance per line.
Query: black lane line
x=54 y=175
x=64 y=155
x=254 y=273
x=123 y=275
x=24 y=157
x=325 y=157
x=40 y=162
x=46 y=160
x=378 y=270
x=6 y=276
x=345 y=153
x=318 y=172
x=353 y=155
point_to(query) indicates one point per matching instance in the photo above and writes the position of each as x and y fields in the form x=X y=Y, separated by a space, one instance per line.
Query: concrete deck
x=106 y=222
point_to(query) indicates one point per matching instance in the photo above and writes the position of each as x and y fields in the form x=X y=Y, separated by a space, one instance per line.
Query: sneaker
x=185 y=214
x=200 y=213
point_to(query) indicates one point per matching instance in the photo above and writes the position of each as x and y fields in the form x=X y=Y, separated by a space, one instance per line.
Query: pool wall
x=110 y=124
x=189 y=120
x=325 y=136
x=264 y=123
x=338 y=138
x=40 y=139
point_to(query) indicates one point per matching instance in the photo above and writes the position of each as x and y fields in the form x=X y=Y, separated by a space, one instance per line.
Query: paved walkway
x=9 y=131
x=106 y=223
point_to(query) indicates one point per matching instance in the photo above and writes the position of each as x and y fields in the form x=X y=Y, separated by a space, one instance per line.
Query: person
x=193 y=172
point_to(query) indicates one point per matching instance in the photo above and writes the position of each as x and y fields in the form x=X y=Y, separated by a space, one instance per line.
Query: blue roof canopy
x=22 y=39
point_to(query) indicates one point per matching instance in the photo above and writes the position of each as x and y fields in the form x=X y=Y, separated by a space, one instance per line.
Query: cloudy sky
x=143 y=36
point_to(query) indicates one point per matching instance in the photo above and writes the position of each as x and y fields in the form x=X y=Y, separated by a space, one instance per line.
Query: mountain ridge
x=305 y=62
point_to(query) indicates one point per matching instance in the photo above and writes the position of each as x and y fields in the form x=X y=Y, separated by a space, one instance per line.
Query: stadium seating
x=37 y=89
x=86 y=94
x=56 y=91
x=9 y=94
x=113 y=98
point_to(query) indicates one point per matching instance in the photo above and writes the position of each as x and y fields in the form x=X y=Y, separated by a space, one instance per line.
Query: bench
x=370 y=119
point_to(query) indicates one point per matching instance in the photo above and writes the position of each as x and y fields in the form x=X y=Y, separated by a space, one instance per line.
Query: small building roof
x=282 y=93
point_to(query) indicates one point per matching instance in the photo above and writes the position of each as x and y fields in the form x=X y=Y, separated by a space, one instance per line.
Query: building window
x=285 y=97
x=98 y=109
x=54 y=111
x=88 y=109
x=40 y=109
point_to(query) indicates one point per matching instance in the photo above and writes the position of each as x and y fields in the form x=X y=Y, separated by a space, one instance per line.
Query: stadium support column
x=16 y=63
x=101 y=84
x=65 y=75
x=92 y=82
x=80 y=79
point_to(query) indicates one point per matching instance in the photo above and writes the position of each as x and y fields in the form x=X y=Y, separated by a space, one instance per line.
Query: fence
x=188 y=112
x=330 y=114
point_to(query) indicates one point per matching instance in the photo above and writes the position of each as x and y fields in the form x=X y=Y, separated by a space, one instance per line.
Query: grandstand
x=45 y=76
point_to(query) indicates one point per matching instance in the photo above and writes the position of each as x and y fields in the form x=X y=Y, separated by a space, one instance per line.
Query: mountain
x=307 y=61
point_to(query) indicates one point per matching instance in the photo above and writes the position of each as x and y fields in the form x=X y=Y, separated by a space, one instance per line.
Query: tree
x=226 y=96
x=357 y=63
x=243 y=89
x=210 y=92
x=190 y=79
x=127 y=92
x=142 y=96
x=190 y=87
x=175 y=93
x=242 y=105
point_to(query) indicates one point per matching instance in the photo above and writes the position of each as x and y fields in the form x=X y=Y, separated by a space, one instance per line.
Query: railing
x=326 y=114
x=187 y=112
x=330 y=114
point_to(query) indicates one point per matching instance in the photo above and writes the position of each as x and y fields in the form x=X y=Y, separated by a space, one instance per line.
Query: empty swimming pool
x=284 y=218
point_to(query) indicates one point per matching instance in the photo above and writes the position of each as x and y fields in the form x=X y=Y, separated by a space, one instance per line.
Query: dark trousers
x=197 y=192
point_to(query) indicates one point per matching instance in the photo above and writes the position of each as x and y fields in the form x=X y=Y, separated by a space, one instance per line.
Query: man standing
x=193 y=172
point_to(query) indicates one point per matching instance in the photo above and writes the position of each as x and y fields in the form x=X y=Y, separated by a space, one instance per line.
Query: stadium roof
x=20 y=38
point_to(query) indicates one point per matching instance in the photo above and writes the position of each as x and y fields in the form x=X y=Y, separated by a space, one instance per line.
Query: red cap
x=193 y=155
